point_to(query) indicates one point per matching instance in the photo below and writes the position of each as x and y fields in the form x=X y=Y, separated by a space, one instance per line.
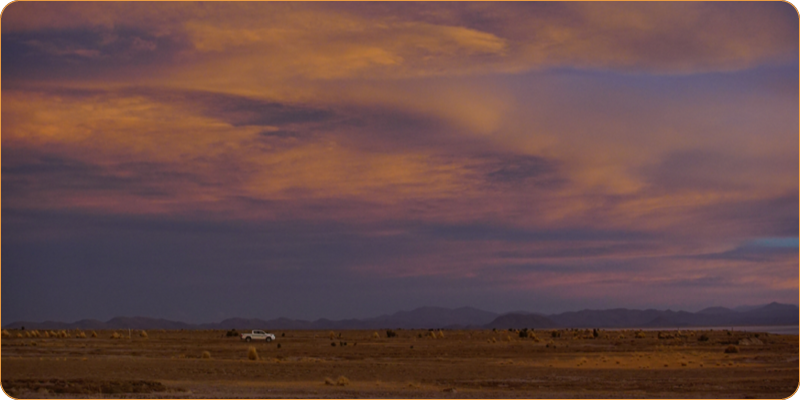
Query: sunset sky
x=199 y=161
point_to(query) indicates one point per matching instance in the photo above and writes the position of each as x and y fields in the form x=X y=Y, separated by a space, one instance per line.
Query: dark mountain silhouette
x=521 y=321
x=434 y=317
x=715 y=310
x=468 y=317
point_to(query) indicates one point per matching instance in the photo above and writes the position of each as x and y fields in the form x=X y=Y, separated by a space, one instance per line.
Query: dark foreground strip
x=83 y=386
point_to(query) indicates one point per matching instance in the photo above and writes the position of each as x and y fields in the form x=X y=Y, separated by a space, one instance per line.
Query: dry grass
x=206 y=354
x=342 y=381
x=330 y=382
x=375 y=335
x=80 y=335
x=143 y=334
x=94 y=334
x=731 y=349
x=441 y=335
x=6 y=333
x=116 y=335
x=252 y=354
x=432 y=335
x=331 y=335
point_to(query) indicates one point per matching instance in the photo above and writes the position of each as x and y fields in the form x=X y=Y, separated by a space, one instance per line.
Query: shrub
x=19 y=335
x=731 y=349
x=342 y=381
x=375 y=335
x=331 y=335
x=283 y=334
x=232 y=332
x=390 y=333
x=279 y=345
x=333 y=344
x=432 y=335
x=80 y=335
x=523 y=333
x=330 y=382
x=555 y=334
x=94 y=334
x=206 y=354
x=6 y=333
x=703 y=338
x=441 y=334
x=640 y=335
x=143 y=334
x=116 y=335
x=252 y=354
x=46 y=334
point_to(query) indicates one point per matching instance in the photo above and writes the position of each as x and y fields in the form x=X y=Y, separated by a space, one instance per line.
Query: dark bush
x=731 y=349
x=232 y=332
x=390 y=333
x=703 y=338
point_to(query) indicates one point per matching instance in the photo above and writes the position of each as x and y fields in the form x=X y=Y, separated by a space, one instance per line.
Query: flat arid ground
x=454 y=364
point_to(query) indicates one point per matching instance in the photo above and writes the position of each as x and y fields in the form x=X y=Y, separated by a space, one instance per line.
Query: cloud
x=525 y=151
x=267 y=43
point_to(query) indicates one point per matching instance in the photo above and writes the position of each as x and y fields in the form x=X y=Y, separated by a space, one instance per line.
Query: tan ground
x=462 y=364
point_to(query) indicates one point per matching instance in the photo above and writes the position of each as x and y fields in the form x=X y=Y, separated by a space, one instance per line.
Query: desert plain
x=413 y=364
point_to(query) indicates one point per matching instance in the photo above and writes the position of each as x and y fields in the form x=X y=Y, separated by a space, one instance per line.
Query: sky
x=200 y=161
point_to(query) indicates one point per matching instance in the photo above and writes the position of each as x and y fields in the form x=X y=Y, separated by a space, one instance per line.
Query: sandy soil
x=461 y=364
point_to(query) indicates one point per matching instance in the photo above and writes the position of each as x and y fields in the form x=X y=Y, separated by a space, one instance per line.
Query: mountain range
x=470 y=318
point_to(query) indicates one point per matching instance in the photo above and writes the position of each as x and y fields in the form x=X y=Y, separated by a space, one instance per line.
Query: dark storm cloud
x=750 y=253
x=241 y=110
x=81 y=53
x=586 y=250
x=517 y=169
x=479 y=232
x=772 y=216
x=707 y=169
x=30 y=174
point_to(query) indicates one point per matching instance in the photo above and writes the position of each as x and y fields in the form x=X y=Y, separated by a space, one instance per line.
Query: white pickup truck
x=258 y=335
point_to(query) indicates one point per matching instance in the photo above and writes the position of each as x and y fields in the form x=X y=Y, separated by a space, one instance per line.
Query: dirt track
x=462 y=364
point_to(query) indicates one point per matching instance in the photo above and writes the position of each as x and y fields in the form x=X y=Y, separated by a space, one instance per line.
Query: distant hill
x=521 y=321
x=468 y=317
x=715 y=310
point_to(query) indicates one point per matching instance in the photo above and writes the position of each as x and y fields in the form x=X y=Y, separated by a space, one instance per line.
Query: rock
x=750 y=342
